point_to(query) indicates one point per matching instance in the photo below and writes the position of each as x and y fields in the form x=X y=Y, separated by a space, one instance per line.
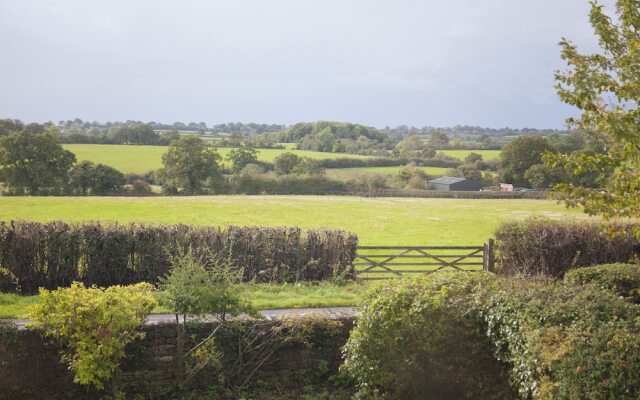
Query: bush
x=94 y=325
x=545 y=247
x=415 y=339
x=54 y=254
x=562 y=341
x=458 y=336
x=623 y=279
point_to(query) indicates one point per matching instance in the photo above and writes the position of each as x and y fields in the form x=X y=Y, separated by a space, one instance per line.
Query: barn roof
x=447 y=180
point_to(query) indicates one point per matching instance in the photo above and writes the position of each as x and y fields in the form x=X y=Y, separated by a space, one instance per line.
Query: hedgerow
x=459 y=336
x=416 y=340
x=545 y=247
x=562 y=341
x=623 y=279
x=54 y=254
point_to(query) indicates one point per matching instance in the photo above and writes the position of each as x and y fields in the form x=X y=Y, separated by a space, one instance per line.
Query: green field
x=377 y=221
x=461 y=154
x=141 y=159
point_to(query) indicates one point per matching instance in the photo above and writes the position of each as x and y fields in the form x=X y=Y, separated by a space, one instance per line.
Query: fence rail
x=384 y=262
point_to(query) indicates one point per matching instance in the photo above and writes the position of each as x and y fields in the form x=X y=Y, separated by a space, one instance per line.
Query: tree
x=106 y=179
x=520 y=155
x=605 y=86
x=170 y=136
x=285 y=163
x=189 y=162
x=98 y=179
x=10 y=125
x=438 y=140
x=472 y=158
x=80 y=177
x=31 y=163
x=410 y=147
x=193 y=289
x=541 y=176
x=469 y=171
x=308 y=166
x=242 y=156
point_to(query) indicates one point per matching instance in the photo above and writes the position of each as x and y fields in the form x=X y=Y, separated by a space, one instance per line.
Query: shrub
x=54 y=254
x=545 y=247
x=416 y=340
x=94 y=325
x=623 y=279
x=562 y=341
x=195 y=291
x=140 y=186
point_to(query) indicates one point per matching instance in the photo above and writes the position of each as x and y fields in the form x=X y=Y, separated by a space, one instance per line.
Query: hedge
x=622 y=279
x=54 y=254
x=453 y=336
x=562 y=341
x=346 y=162
x=546 y=247
x=416 y=340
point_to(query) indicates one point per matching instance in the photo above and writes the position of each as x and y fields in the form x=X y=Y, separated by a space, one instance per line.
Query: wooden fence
x=384 y=262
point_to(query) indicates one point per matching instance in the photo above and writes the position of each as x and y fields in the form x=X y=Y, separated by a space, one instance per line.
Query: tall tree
x=286 y=163
x=188 y=162
x=33 y=163
x=605 y=86
x=521 y=154
x=242 y=156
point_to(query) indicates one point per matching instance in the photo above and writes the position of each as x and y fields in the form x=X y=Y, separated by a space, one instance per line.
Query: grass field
x=461 y=154
x=141 y=159
x=263 y=296
x=377 y=221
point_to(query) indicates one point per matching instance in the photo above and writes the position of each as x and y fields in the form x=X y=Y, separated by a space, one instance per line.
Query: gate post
x=488 y=259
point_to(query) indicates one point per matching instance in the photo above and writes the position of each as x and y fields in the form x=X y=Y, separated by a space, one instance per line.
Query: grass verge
x=263 y=296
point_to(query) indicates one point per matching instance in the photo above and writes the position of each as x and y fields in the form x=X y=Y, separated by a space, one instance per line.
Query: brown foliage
x=54 y=254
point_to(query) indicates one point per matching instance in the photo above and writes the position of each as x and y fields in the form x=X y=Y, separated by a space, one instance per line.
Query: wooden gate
x=384 y=262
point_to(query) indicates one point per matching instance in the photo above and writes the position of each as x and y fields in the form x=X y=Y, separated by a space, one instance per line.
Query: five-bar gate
x=383 y=262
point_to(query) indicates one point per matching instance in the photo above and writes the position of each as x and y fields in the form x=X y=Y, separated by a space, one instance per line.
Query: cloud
x=379 y=62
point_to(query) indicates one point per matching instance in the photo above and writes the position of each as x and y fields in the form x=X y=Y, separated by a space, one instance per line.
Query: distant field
x=461 y=154
x=343 y=173
x=140 y=159
x=377 y=221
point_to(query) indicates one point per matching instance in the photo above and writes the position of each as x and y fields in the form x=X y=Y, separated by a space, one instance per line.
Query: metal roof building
x=450 y=184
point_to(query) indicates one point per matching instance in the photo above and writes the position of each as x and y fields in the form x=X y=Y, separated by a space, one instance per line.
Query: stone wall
x=30 y=365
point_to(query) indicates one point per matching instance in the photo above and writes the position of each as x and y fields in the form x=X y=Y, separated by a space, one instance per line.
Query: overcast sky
x=392 y=62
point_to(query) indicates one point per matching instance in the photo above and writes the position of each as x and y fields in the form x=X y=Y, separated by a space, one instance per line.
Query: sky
x=377 y=62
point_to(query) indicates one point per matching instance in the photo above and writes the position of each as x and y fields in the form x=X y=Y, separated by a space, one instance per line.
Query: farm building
x=450 y=184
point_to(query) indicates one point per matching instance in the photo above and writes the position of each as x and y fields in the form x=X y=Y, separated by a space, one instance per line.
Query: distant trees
x=89 y=178
x=520 y=155
x=138 y=134
x=34 y=163
x=241 y=157
x=289 y=163
x=10 y=125
x=329 y=136
x=438 y=140
x=188 y=163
